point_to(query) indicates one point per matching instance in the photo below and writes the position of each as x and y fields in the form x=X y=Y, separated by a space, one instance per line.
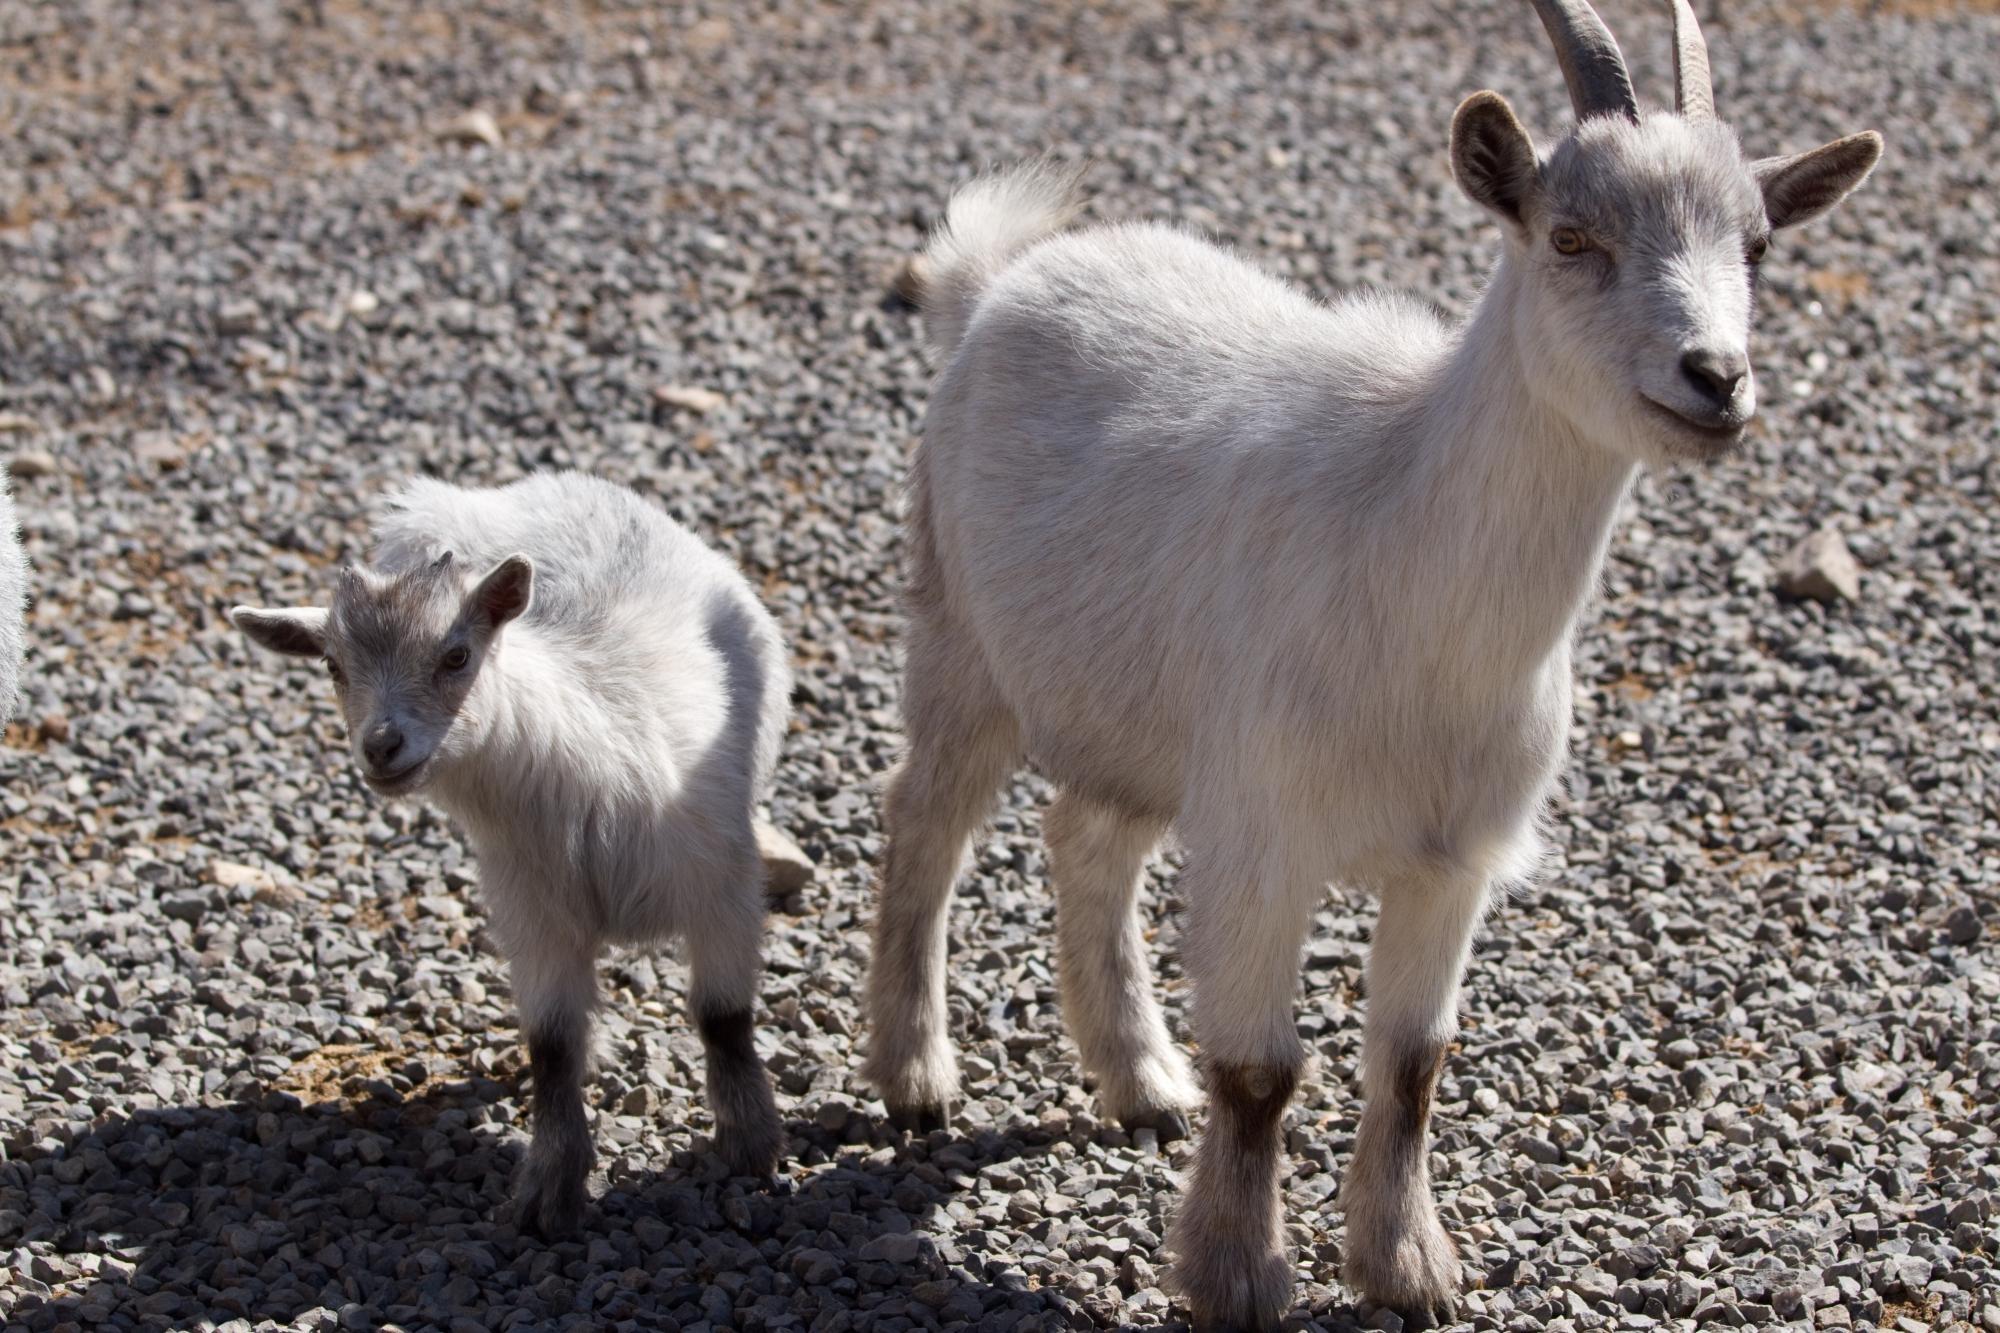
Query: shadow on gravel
x=385 y=1210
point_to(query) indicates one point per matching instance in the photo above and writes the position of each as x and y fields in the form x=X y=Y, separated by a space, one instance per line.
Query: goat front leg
x=555 y=988
x=1246 y=923
x=725 y=959
x=1398 y=1252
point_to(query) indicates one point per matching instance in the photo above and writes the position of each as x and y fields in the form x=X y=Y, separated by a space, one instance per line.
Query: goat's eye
x=1568 y=241
x=333 y=669
x=1757 y=249
x=454 y=660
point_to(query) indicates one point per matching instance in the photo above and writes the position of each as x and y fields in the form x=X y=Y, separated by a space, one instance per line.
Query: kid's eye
x=1757 y=248
x=333 y=669
x=454 y=660
x=1568 y=241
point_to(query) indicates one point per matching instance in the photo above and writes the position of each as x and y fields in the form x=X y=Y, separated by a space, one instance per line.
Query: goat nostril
x=1716 y=375
x=384 y=746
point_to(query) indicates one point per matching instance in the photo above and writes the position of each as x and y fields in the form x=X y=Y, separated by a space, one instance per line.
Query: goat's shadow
x=397 y=1210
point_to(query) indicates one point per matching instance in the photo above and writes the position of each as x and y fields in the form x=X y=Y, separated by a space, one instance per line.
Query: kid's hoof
x=921 y=1119
x=751 y=1151
x=550 y=1215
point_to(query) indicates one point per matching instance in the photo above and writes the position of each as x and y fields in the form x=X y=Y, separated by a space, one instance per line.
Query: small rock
x=689 y=397
x=31 y=463
x=236 y=875
x=362 y=303
x=160 y=449
x=473 y=127
x=239 y=316
x=1963 y=926
x=1820 y=568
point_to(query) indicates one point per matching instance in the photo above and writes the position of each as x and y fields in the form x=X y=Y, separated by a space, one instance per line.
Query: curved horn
x=1694 y=96
x=1591 y=63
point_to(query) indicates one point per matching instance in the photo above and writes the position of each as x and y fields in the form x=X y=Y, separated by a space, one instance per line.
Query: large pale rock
x=1821 y=568
x=788 y=867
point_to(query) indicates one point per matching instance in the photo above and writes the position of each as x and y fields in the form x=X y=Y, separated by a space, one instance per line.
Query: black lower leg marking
x=1249 y=1101
x=727 y=1037
x=555 y=1063
x=559 y=1157
x=748 y=1135
x=1416 y=1084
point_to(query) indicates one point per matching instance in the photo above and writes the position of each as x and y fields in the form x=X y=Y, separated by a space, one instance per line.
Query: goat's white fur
x=1300 y=581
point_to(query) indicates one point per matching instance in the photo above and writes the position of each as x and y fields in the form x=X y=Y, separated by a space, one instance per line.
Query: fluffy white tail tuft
x=988 y=223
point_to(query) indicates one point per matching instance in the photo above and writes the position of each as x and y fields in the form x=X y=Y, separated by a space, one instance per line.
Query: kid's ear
x=505 y=591
x=1801 y=187
x=296 y=633
x=1493 y=157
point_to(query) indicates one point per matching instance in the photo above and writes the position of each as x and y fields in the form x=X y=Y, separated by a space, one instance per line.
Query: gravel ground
x=1735 y=1062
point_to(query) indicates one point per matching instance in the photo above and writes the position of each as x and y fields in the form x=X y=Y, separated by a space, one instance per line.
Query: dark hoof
x=921 y=1119
x=750 y=1152
x=1220 y=1325
x=1169 y=1122
x=551 y=1216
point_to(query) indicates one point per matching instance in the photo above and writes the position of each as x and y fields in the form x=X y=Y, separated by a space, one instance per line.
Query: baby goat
x=598 y=698
x=1299 y=581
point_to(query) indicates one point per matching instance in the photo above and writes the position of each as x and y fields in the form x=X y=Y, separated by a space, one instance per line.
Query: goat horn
x=1694 y=95
x=1590 y=60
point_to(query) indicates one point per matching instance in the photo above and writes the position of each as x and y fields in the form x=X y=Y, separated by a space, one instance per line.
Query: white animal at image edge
x=13 y=604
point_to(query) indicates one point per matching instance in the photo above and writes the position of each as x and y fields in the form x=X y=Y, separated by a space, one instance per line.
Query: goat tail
x=987 y=223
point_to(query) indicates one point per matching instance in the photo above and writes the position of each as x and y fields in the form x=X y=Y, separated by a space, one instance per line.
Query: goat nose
x=382 y=745
x=1718 y=375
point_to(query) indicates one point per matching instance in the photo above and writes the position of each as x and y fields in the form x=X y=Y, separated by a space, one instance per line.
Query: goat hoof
x=550 y=1215
x=1413 y=1269
x=1169 y=1122
x=921 y=1119
x=1233 y=1326
x=752 y=1151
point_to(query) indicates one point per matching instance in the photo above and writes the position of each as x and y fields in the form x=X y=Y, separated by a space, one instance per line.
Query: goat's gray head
x=1638 y=239
x=403 y=651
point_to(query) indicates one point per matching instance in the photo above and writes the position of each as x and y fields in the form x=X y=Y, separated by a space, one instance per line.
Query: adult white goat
x=1299 y=581
x=598 y=698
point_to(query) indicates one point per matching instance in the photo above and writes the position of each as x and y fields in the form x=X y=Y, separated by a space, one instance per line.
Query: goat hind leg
x=1398 y=1252
x=1098 y=856
x=962 y=744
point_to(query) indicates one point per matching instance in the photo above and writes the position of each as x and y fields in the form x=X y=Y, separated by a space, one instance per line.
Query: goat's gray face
x=403 y=651
x=1636 y=241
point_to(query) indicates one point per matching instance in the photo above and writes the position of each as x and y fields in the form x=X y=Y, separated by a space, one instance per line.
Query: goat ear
x=505 y=591
x=1493 y=157
x=300 y=633
x=1801 y=187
